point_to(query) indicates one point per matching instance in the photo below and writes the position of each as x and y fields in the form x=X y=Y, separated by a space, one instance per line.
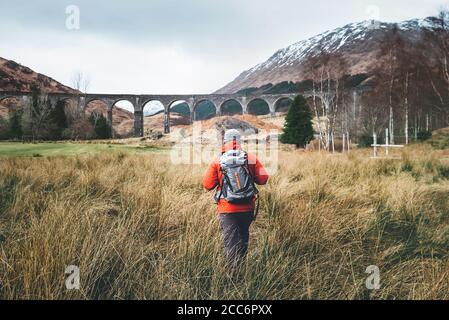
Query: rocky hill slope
x=16 y=77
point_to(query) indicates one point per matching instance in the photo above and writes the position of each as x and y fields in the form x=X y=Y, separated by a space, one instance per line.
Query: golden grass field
x=140 y=228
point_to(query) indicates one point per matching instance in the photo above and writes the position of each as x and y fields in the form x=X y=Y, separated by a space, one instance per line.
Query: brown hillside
x=15 y=77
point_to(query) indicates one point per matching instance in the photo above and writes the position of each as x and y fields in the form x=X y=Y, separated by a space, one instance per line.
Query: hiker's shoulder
x=215 y=161
x=251 y=157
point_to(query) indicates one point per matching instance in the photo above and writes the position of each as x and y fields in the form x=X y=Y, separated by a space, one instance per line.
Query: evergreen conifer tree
x=58 y=120
x=15 y=125
x=101 y=126
x=298 y=128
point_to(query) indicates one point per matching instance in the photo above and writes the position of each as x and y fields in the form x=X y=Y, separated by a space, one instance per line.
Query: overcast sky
x=173 y=46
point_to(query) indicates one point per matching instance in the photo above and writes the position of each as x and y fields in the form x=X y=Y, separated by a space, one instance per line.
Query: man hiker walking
x=234 y=175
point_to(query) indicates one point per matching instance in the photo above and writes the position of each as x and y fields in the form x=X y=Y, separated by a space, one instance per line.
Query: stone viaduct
x=139 y=102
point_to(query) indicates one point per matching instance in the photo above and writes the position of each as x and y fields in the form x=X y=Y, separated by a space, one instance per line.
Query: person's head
x=231 y=135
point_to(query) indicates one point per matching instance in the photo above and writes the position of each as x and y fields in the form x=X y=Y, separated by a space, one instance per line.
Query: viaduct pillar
x=110 y=120
x=110 y=117
x=167 y=121
x=138 y=124
x=244 y=104
x=272 y=106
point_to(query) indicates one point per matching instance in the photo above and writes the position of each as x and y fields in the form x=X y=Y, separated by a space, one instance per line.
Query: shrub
x=4 y=128
x=424 y=135
x=365 y=141
x=101 y=126
x=79 y=129
x=58 y=120
x=15 y=125
x=443 y=172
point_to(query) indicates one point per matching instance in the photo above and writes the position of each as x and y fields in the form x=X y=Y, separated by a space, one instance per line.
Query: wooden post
x=375 y=144
x=386 y=142
x=343 y=146
x=348 y=142
x=333 y=144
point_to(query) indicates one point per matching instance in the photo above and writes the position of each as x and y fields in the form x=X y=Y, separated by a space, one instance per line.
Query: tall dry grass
x=141 y=228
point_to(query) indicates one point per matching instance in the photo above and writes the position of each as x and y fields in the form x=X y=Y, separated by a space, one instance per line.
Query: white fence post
x=348 y=142
x=375 y=144
x=333 y=143
x=386 y=142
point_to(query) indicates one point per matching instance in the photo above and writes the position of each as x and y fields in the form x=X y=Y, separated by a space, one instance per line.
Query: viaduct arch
x=139 y=101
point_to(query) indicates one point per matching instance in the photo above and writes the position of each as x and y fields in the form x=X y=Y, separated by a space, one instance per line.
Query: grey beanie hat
x=231 y=135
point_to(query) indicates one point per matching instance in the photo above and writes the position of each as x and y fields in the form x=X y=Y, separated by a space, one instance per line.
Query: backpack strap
x=256 y=191
x=249 y=174
x=218 y=194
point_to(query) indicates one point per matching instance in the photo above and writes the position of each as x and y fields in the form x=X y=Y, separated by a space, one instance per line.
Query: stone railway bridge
x=139 y=102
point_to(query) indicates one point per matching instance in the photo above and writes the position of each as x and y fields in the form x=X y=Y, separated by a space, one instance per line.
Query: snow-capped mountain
x=358 y=44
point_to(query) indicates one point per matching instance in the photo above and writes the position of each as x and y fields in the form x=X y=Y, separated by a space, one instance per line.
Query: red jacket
x=213 y=178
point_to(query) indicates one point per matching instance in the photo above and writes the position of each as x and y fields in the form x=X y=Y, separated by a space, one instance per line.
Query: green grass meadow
x=18 y=149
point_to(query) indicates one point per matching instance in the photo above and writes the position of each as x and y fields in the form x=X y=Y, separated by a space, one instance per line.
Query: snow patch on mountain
x=333 y=40
x=353 y=38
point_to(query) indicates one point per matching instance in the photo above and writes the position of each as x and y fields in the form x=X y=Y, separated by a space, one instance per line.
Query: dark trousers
x=235 y=231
